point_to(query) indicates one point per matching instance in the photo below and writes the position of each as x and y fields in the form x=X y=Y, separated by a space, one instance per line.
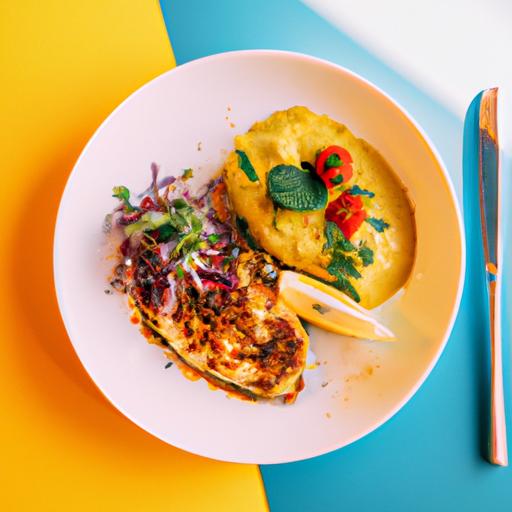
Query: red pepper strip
x=148 y=204
x=351 y=224
x=347 y=213
x=212 y=285
x=330 y=174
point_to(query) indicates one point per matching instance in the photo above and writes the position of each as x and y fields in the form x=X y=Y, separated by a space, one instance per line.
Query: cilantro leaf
x=366 y=255
x=245 y=164
x=378 y=224
x=337 y=180
x=356 y=190
x=213 y=238
x=336 y=239
x=343 y=264
x=123 y=194
x=243 y=228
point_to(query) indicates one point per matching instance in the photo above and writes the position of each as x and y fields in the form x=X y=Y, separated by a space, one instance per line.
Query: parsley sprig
x=345 y=258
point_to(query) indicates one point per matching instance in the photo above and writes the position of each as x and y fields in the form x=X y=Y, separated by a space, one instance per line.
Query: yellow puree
x=294 y=136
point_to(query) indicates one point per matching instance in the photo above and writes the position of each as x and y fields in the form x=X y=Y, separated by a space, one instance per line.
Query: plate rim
x=431 y=148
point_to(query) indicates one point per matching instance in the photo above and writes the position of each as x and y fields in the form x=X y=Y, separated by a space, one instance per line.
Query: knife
x=489 y=186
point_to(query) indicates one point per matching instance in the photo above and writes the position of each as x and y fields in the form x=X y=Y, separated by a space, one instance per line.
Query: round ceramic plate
x=188 y=118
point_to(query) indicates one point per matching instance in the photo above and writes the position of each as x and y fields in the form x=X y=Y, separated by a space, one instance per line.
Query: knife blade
x=490 y=209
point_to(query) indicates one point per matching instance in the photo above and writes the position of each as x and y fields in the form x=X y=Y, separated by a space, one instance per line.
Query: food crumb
x=108 y=292
x=327 y=415
x=199 y=146
x=345 y=399
x=229 y=108
x=168 y=365
x=231 y=125
x=369 y=370
x=226 y=118
x=324 y=384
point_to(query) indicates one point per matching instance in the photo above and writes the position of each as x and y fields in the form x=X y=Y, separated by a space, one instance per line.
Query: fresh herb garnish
x=187 y=174
x=292 y=188
x=337 y=180
x=336 y=239
x=321 y=309
x=149 y=221
x=365 y=254
x=245 y=164
x=180 y=204
x=180 y=274
x=345 y=257
x=378 y=224
x=165 y=233
x=333 y=161
x=356 y=190
x=344 y=264
x=123 y=194
x=213 y=238
x=243 y=228
x=343 y=284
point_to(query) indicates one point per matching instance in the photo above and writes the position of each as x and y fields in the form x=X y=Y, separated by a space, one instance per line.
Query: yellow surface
x=297 y=238
x=64 y=66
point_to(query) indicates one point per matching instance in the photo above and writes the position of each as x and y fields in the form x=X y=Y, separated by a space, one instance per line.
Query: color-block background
x=65 y=66
x=428 y=457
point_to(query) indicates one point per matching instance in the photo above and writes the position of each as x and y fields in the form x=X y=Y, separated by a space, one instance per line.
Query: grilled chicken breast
x=244 y=340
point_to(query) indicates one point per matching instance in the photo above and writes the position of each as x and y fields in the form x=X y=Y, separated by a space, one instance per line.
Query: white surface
x=163 y=122
x=449 y=49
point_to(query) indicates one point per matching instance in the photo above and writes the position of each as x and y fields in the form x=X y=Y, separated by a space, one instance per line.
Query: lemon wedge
x=328 y=308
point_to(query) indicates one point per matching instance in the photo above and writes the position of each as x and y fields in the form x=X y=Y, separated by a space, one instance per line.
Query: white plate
x=163 y=122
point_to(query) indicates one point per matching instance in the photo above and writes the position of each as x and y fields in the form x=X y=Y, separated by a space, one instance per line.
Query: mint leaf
x=292 y=188
x=243 y=228
x=378 y=224
x=356 y=190
x=245 y=164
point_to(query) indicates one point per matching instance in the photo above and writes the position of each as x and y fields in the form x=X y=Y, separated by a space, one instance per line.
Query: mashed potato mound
x=297 y=238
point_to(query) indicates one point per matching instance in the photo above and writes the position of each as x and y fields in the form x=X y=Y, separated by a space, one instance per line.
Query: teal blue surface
x=429 y=456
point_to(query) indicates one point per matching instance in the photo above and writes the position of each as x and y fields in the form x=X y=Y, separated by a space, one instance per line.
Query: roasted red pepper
x=333 y=165
x=148 y=204
x=347 y=213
